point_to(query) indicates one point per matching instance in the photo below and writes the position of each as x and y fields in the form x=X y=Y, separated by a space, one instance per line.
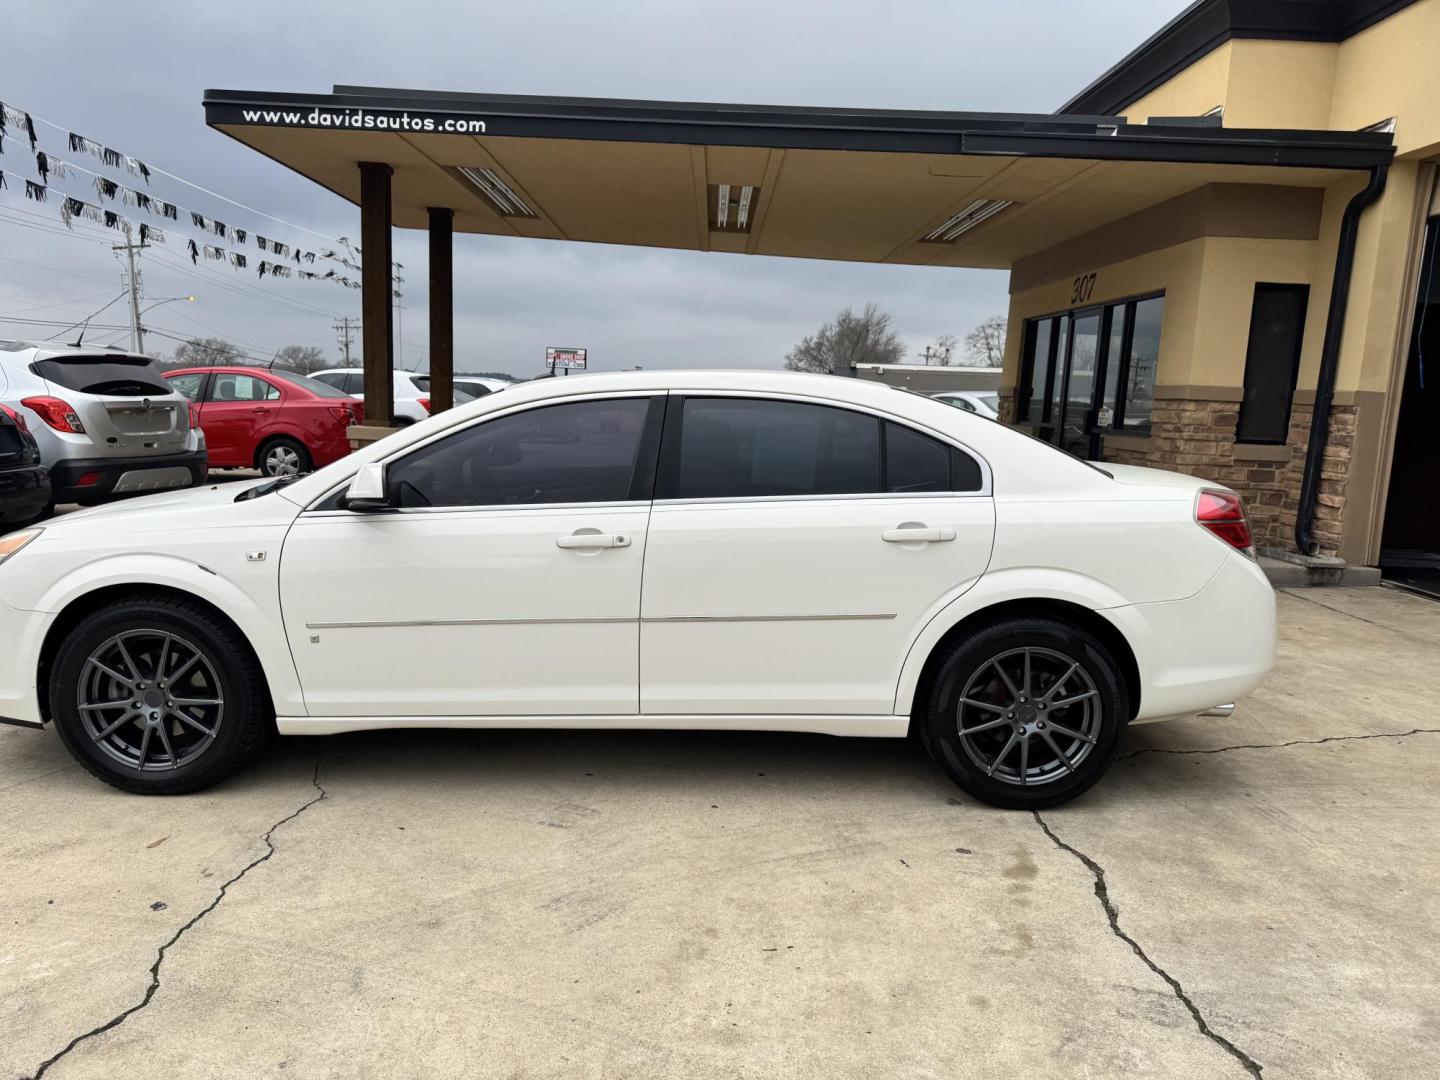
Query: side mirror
x=368 y=489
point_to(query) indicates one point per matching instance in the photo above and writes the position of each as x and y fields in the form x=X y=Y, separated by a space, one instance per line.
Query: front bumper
x=126 y=475
x=24 y=493
x=23 y=633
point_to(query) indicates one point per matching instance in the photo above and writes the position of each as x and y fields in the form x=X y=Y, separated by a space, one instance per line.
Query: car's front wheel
x=1026 y=713
x=158 y=695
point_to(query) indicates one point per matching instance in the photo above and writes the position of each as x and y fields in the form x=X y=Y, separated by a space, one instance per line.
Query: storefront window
x=1104 y=381
x=1038 y=363
x=1143 y=359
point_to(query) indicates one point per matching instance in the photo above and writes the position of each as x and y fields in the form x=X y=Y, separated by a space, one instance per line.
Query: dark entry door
x=1076 y=429
x=1410 y=543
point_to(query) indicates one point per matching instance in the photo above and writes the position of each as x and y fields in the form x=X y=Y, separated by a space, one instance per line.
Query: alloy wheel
x=1029 y=716
x=150 y=699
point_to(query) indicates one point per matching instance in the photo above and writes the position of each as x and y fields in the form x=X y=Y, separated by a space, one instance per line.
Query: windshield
x=315 y=386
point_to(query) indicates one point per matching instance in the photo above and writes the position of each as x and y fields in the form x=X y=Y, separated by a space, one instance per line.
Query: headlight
x=9 y=545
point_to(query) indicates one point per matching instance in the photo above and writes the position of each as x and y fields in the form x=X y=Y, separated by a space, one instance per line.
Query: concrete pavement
x=549 y=904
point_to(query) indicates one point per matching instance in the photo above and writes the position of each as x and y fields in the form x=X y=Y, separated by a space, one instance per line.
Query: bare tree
x=302 y=359
x=206 y=352
x=985 y=345
x=850 y=339
x=941 y=351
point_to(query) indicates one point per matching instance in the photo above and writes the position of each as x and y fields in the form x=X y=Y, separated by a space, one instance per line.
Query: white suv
x=411 y=391
x=106 y=422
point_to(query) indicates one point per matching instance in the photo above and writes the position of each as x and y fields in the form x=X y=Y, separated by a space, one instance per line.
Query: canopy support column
x=442 y=308
x=377 y=313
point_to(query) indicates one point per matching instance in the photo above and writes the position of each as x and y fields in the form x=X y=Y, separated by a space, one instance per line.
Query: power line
x=59 y=303
x=52 y=269
x=87 y=319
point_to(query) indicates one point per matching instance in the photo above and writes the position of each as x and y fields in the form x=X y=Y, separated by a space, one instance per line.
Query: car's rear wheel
x=1026 y=713
x=283 y=457
x=159 y=696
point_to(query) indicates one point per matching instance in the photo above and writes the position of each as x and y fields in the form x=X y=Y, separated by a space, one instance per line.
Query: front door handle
x=918 y=534
x=592 y=540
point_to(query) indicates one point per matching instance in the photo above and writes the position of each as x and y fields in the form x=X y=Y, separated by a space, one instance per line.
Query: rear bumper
x=24 y=493
x=126 y=475
x=1206 y=651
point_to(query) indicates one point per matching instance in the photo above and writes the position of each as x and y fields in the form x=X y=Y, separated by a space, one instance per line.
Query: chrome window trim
x=406 y=511
x=864 y=496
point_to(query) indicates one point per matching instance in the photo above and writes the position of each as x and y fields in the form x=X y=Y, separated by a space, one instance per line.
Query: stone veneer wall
x=1198 y=437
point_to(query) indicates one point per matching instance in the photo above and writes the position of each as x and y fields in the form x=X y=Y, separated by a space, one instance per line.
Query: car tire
x=206 y=659
x=984 y=724
x=283 y=456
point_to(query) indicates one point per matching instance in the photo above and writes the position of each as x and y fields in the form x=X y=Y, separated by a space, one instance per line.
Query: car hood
x=152 y=509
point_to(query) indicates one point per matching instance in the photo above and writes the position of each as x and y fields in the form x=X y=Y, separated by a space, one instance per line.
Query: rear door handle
x=590 y=540
x=918 y=534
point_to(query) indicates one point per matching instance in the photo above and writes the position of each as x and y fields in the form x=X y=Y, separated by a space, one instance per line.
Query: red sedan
x=275 y=421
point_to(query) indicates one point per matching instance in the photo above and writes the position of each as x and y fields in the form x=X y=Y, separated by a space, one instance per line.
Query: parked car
x=819 y=554
x=475 y=386
x=411 y=391
x=984 y=403
x=24 y=483
x=276 y=421
x=106 y=422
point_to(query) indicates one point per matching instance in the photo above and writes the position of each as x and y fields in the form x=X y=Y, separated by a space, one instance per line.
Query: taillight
x=424 y=403
x=58 y=414
x=342 y=413
x=194 y=416
x=1223 y=514
x=20 y=421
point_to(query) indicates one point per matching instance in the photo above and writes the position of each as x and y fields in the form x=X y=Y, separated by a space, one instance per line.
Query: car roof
x=48 y=350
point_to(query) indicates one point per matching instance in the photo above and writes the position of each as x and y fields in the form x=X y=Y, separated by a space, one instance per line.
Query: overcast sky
x=131 y=77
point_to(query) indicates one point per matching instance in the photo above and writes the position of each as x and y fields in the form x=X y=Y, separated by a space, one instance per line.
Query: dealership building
x=1221 y=252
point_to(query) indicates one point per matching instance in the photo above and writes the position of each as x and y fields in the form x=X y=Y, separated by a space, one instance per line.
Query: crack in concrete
x=1102 y=893
x=1336 y=610
x=1282 y=745
x=154 y=986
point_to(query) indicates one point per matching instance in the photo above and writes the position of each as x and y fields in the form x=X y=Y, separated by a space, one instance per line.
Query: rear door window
x=235 y=386
x=758 y=448
x=106 y=374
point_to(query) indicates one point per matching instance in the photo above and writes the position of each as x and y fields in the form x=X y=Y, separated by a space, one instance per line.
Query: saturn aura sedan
x=683 y=550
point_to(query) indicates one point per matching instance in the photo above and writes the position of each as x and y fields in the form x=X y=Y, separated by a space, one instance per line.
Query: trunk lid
x=127 y=407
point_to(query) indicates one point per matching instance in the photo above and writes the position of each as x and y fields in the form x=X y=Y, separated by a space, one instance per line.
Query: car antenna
x=76 y=343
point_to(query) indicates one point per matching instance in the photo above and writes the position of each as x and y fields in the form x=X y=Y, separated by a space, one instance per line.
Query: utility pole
x=347 y=328
x=132 y=282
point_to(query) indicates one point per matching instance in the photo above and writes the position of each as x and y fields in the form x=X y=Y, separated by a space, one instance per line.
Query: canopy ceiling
x=857 y=185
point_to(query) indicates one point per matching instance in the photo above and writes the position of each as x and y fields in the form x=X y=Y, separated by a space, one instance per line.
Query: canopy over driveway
x=918 y=188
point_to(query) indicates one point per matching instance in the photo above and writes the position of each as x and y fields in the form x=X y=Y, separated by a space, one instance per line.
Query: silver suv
x=106 y=422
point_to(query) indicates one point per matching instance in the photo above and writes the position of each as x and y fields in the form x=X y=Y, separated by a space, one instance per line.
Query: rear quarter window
x=114 y=375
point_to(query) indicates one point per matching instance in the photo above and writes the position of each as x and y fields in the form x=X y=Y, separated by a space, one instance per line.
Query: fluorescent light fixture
x=956 y=225
x=731 y=206
x=497 y=191
x=742 y=215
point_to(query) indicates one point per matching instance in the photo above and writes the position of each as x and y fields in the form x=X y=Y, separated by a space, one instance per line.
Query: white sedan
x=720 y=550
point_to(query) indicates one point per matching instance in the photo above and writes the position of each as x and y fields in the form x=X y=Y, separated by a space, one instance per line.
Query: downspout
x=1330 y=359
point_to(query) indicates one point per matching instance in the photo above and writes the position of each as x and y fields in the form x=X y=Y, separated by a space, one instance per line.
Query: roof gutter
x=1330 y=359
